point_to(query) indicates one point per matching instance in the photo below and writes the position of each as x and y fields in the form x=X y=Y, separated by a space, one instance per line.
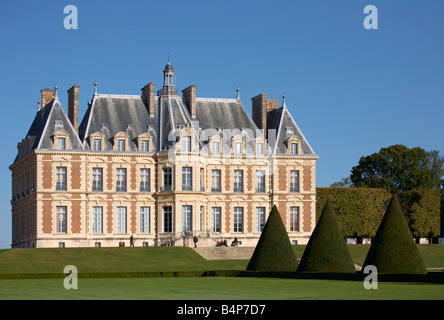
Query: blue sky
x=351 y=91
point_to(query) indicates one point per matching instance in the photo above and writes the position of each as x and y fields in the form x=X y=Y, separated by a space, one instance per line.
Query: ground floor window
x=167 y=219
x=97 y=220
x=61 y=219
x=121 y=220
x=216 y=219
x=144 y=219
x=238 y=220
x=294 y=218
x=260 y=218
x=187 y=218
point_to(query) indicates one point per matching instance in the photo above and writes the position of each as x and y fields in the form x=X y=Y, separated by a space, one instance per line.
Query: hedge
x=360 y=210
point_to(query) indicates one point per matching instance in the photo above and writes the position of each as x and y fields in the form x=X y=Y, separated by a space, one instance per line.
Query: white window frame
x=97 y=220
x=121 y=220
x=216 y=219
x=294 y=219
x=62 y=217
x=145 y=218
x=238 y=220
x=260 y=218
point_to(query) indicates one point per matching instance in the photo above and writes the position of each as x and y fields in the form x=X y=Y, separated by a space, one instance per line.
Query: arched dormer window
x=238 y=145
x=61 y=140
x=121 y=142
x=293 y=144
x=97 y=141
x=144 y=142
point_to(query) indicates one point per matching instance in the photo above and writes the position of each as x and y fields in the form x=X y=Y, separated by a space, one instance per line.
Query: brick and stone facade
x=98 y=183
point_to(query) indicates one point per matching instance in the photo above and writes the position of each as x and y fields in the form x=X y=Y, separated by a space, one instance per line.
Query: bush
x=393 y=249
x=273 y=251
x=327 y=250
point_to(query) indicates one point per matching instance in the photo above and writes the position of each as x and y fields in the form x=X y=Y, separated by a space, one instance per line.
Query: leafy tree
x=398 y=168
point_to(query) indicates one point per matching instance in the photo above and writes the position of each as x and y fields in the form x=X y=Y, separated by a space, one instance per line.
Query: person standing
x=195 y=241
x=131 y=241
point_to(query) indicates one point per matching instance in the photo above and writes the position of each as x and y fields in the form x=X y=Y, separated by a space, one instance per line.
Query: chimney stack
x=47 y=96
x=189 y=98
x=261 y=106
x=73 y=106
x=148 y=96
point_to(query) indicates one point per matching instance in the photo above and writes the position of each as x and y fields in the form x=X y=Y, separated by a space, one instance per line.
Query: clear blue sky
x=350 y=90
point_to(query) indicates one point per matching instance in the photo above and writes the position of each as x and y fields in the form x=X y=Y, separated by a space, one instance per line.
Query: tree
x=393 y=249
x=273 y=251
x=398 y=168
x=327 y=250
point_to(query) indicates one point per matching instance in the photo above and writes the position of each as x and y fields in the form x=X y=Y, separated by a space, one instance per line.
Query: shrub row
x=360 y=210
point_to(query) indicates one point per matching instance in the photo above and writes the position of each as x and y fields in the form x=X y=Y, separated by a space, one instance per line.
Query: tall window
x=120 y=145
x=215 y=181
x=294 y=218
x=259 y=148
x=144 y=219
x=238 y=148
x=202 y=179
x=97 y=217
x=61 y=143
x=260 y=181
x=144 y=180
x=121 y=220
x=294 y=181
x=186 y=218
x=216 y=219
x=121 y=180
x=238 y=181
x=202 y=214
x=61 y=219
x=97 y=145
x=61 y=179
x=186 y=143
x=167 y=219
x=144 y=145
x=187 y=180
x=238 y=220
x=294 y=148
x=167 y=179
x=215 y=146
x=97 y=181
x=260 y=218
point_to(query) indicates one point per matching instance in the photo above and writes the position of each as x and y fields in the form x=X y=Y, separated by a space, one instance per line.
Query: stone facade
x=88 y=196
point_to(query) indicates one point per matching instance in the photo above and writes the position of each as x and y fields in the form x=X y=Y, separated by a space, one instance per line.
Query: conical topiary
x=327 y=250
x=393 y=249
x=273 y=251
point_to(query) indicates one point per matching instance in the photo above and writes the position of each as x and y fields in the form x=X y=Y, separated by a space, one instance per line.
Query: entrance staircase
x=225 y=253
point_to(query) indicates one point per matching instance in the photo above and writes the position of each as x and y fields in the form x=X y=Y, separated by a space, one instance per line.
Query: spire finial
x=95 y=88
x=38 y=105
x=237 y=95
x=283 y=103
x=168 y=57
x=55 y=95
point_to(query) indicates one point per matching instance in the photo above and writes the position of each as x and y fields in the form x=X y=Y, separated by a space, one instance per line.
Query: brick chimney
x=47 y=96
x=189 y=98
x=73 y=106
x=260 y=108
x=148 y=97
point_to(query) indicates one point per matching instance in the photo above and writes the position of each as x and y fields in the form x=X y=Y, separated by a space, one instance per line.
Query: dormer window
x=58 y=124
x=294 y=148
x=121 y=142
x=289 y=130
x=144 y=142
x=61 y=140
x=186 y=143
x=61 y=143
x=97 y=141
x=293 y=145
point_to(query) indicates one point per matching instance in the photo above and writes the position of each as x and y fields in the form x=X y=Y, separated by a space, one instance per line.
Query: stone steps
x=225 y=253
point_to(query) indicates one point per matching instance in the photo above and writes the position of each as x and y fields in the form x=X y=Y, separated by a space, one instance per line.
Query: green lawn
x=189 y=288
x=214 y=288
x=153 y=259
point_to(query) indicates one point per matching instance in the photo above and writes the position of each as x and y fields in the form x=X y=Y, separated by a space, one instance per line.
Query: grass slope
x=155 y=259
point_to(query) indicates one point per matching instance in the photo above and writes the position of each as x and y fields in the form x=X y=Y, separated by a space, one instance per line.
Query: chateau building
x=160 y=167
